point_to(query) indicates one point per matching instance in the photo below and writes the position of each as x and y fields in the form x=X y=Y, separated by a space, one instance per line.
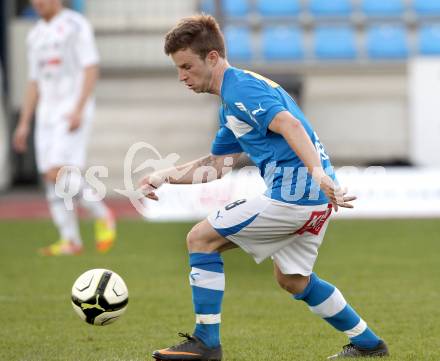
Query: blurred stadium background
x=364 y=71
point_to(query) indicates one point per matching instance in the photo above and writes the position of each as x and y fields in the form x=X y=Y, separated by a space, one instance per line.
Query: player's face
x=45 y=8
x=193 y=71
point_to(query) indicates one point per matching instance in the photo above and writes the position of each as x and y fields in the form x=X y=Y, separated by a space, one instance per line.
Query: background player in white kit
x=63 y=69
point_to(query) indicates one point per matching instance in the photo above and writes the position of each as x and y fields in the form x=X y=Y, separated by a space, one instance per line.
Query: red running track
x=33 y=205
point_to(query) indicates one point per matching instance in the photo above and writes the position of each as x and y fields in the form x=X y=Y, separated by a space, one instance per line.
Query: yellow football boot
x=105 y=233
x=61 y=248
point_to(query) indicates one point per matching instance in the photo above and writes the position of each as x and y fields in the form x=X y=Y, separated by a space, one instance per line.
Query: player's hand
x=150 y=184
x=336 y=195
x=19 y=139
x=74 y=119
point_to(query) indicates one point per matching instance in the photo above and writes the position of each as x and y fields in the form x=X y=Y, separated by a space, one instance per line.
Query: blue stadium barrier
x=282 y=43
x=427 y=7
x=78 y=5
x=331 y=7
x=238 y=43
x=279 y=7
x=335 y=42
x=429 y=39
x=387 y=42
x=207 y=7
x=29 y=13
x=235 y=8
x=383 y=7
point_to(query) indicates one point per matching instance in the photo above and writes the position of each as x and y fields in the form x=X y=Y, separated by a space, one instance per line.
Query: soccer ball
x=99 y=296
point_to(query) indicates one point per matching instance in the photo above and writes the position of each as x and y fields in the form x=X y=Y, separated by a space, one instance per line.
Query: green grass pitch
x=388 y=270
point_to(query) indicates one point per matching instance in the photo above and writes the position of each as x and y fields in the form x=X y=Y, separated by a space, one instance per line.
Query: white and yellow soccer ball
x=99 y=296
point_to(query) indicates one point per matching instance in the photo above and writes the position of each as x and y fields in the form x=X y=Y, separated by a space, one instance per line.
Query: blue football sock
x=207 y=281
x=326 y=301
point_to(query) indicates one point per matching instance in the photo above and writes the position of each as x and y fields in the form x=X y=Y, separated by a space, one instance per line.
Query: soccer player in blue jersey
x=287 y=223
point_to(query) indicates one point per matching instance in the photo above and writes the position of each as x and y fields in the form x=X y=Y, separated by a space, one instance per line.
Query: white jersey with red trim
x=58 y=52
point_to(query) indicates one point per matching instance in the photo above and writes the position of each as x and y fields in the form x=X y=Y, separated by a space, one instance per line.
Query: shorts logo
x=315 y=222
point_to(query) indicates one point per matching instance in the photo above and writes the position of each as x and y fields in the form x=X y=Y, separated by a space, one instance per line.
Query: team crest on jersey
x=315 y=222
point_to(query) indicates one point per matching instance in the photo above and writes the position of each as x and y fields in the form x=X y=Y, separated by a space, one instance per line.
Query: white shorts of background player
x=55 y=145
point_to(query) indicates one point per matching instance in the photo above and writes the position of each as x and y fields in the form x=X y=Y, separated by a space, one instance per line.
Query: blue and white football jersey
x=249 y=103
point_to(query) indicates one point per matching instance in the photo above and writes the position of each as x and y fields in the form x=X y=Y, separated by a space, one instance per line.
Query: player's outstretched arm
x=23 y=127
x=203 y=170
x=296 y=136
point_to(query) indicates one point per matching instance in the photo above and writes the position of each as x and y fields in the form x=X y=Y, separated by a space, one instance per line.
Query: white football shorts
x=55 y=145
x=291 y=234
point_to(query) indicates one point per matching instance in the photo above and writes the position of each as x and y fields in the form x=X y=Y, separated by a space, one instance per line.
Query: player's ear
x=212 y=57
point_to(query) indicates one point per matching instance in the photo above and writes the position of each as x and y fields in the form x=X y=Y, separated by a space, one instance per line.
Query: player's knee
x=195 y=241
x=294 y=284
